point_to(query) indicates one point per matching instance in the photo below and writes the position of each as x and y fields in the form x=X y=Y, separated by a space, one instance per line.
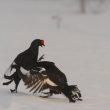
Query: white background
x=80 y=47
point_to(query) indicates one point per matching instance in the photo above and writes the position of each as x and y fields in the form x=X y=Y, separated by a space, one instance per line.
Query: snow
x=80 y=48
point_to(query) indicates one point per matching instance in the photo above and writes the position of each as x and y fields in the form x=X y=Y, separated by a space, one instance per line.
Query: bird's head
x=37 y=42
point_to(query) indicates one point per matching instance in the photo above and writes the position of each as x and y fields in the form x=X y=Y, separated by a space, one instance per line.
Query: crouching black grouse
x=51 y=78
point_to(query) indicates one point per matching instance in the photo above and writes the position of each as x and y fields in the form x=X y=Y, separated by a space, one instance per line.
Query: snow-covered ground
x=80 y=48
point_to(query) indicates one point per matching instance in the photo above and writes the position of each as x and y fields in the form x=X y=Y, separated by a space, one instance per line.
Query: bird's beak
x=42 y=45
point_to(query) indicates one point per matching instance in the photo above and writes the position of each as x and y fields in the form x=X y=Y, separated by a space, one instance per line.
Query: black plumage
x=27 y=60
x=53 y=79
x=29 y=57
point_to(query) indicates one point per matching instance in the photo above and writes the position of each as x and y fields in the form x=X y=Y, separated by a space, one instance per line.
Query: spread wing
x=38 y=82
x=50 y=78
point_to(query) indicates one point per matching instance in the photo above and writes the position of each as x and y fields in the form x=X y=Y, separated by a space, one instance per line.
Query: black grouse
x=26 y=60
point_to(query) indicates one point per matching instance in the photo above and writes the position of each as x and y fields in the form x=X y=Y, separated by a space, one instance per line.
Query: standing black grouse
x=26 y=60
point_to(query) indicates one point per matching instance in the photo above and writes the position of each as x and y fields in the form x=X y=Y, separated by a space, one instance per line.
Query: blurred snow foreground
x=79 y=46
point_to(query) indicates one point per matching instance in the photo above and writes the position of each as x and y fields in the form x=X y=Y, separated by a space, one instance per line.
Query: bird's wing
x=38 y=82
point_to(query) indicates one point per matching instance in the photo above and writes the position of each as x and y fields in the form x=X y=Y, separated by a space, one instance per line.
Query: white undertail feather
x=24 y=71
